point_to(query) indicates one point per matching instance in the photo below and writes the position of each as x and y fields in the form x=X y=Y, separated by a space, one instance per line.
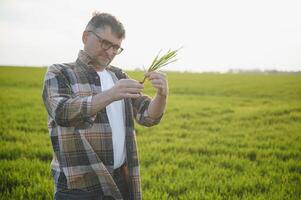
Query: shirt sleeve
x=64 y=109
x=140 y=108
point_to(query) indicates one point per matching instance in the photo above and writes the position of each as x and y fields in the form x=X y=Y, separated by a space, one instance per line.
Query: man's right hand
x=126 y=88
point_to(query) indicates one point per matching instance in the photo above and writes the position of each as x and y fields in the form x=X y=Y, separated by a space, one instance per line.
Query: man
x=91 y=107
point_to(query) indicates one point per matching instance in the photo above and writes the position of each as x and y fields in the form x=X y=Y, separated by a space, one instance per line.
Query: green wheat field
x=223 y=136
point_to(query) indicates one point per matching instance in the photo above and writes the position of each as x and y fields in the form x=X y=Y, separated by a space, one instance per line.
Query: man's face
x=101 y=45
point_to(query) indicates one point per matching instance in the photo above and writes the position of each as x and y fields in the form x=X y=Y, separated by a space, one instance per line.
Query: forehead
x=106 y=33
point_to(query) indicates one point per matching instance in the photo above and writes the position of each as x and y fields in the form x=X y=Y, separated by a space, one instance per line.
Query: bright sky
x=216 y=34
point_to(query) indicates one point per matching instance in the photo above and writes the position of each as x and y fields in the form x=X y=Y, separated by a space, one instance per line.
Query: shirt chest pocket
x=83 y=84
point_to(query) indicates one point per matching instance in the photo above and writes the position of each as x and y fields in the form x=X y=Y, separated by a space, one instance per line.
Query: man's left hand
x=159 y=81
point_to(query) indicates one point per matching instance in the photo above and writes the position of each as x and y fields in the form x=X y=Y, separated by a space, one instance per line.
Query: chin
x=105 y=62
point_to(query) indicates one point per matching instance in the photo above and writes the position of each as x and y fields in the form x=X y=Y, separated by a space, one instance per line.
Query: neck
x=99 y=68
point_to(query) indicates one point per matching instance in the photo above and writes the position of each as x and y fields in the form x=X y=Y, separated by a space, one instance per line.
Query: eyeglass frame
x=101 y=40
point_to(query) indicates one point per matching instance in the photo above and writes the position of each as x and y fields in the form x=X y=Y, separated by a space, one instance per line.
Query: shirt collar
x=84 y=57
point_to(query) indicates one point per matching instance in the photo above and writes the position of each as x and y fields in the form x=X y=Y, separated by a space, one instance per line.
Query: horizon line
x=229 y=70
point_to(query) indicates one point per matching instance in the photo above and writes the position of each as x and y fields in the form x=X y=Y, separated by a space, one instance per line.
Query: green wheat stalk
x=160 y=62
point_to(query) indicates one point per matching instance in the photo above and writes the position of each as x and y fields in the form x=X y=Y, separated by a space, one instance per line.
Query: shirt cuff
x=151 y=120
x=88 y=118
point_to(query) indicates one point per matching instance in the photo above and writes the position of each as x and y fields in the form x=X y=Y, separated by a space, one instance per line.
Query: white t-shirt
x=116 y=120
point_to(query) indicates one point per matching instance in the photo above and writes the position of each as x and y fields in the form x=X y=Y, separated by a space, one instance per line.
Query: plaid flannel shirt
x=82 y=143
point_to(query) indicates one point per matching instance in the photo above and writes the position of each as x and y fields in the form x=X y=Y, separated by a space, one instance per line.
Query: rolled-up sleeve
x=140 y=107
x=64 y=109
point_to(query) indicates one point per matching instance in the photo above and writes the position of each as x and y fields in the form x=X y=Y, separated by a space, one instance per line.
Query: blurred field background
x=224 y=136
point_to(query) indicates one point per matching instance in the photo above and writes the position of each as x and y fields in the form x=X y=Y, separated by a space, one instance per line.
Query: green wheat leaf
x=159 y=62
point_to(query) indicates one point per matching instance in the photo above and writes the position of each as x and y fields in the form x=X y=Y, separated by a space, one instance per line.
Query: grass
x=223 y=136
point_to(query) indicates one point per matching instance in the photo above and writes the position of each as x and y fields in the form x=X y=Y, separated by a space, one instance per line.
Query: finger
x=156 y=76
x=158 y=86
x=156 y=81
x=131 y=84
x=132 y=96
x=134 y=81
x=132 y=90
x=149 y=74
x=128 y=81
x=137 y=86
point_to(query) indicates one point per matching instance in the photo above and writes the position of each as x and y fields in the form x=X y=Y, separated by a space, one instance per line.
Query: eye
x=107 y=43
x=116 y=47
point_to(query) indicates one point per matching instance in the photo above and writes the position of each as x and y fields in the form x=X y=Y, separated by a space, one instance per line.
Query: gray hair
x=102 y=20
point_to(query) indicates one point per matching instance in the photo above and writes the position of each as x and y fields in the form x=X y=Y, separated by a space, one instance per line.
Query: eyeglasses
x=106 y=45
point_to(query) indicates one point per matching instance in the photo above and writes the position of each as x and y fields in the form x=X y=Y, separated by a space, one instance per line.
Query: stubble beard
x=102 y=64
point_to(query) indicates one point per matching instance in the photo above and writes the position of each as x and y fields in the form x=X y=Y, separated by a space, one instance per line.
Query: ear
x=85 y=37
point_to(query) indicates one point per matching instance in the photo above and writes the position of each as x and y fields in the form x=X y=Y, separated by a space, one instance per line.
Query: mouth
x=106 y=59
